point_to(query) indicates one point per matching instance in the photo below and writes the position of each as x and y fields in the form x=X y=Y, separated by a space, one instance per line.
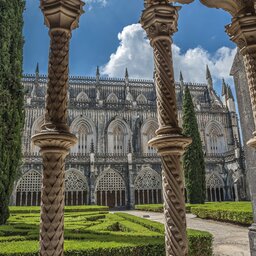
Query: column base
x=252 y=239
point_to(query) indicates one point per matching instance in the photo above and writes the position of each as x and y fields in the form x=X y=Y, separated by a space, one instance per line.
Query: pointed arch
x=112 y=98
x=216 y=142
x=82 y=96
x=28 y=189
x=148 y=130
x=148 y=187
x=76 y=188
x=110 y=189
x=141 y=99
x=85 y=131
x=118 y=136
x=36 y=128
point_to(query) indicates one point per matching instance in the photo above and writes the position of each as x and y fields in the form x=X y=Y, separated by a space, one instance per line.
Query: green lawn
x=92 y=231
x=234 y=212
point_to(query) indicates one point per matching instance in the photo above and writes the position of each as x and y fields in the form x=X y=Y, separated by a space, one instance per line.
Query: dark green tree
x=11 y=98
x=193 y=158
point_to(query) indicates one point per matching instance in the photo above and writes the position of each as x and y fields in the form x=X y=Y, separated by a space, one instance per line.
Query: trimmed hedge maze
x=93 y=231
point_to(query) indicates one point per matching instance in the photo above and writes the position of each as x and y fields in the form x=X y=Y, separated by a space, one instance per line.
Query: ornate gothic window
x=148 y=132
x=82 y=143
x=110 y=189
x=84 y=129
x=28 y=191
x=36 y=128
x=148 y=187
x=119 y=143
x=76 y=188
x=215 y=140
x=118 y=137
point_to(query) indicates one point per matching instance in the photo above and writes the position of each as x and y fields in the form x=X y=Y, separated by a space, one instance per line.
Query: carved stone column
x=242 y=32
x=55 y=139
x=159 y=19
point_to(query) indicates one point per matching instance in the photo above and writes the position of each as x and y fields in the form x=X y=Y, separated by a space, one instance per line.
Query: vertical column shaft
x=160 y=22
x=54 y=139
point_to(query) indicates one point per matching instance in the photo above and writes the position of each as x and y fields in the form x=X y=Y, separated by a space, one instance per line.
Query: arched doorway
x=148 y=187
x=76 y=188
x=110 y=189
x=28 y=190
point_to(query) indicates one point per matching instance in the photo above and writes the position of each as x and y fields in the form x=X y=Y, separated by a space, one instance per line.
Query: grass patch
x=93 y=232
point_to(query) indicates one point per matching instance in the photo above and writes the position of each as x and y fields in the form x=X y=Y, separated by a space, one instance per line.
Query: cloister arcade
x=160 y=21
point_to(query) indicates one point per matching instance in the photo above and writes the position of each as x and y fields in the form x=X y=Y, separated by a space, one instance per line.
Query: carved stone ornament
x=54 y=139
x=159 y=19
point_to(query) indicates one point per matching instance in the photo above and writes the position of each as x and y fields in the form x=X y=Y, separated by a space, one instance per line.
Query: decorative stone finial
x=62 y=14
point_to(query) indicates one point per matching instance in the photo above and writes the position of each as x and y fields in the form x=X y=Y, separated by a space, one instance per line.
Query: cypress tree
x=11 y=98
x=193 y=158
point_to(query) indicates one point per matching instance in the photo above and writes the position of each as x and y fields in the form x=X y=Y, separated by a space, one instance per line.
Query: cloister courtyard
x=146 y=166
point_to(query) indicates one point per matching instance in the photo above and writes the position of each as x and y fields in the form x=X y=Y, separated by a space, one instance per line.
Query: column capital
x=159 y=20
x=242 y=32
x=61 y=14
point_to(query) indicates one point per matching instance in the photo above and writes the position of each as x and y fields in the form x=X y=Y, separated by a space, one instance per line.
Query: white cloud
x=135 y=53
x=101 y=2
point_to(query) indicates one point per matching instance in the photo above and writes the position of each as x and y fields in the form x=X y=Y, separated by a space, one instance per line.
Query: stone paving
x=229 y=239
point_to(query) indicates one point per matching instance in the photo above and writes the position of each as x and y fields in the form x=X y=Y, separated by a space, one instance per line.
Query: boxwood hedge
x=95 y=233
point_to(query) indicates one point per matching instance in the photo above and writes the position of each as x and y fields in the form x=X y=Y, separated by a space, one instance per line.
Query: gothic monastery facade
x=113 y=119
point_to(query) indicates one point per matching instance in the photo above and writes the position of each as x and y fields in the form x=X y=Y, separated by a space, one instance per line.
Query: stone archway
x=148 y=187
x=110 y=189
x=76 y=188
x=28 y=189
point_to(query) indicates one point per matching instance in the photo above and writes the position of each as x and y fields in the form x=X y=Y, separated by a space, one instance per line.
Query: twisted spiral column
x=160 y=22
x=54 y=139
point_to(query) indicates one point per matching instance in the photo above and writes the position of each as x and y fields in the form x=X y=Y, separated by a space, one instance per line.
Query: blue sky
x=108 y=36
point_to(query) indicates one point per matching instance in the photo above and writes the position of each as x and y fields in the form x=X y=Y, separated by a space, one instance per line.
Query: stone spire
x=209 y=78
x=36 y=81
x=229 y=93
x=224 y=88
x=97 y=75
x=126 y=77
x=181 y=82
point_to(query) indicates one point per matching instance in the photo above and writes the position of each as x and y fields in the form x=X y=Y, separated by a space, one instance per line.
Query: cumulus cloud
x=135 y=53
x=101 y=2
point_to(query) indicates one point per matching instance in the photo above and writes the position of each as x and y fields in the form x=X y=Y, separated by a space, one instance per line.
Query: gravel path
x=229 y=239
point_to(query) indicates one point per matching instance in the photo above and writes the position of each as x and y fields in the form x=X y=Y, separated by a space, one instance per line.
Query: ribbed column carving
x=250 y=67
x=56 y=97
x=52 y=205
x=159 y=19
x=242 y=31
x=54 y=139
